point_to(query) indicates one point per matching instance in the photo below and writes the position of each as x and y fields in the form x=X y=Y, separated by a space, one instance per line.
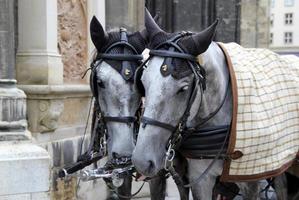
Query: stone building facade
x=243 y=21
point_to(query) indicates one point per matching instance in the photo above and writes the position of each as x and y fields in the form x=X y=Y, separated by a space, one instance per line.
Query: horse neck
x=217 y=77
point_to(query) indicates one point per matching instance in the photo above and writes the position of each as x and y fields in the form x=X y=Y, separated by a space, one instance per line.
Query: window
x=288 y=18
x=272 y=19
x=288 y=2
x=288 y=37
x=271 y=38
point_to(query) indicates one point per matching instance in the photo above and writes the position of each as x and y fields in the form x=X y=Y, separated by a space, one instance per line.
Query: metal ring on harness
x=169 y=156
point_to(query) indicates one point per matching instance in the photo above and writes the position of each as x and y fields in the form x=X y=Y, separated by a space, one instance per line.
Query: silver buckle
x=169 y=156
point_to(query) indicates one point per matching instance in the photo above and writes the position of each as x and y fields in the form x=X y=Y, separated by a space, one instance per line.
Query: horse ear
x=144 y=32
x=204 y=38
x=97 y=33
x=151 y=26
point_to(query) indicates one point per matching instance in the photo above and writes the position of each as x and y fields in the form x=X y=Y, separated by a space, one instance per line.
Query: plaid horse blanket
x=264 y=139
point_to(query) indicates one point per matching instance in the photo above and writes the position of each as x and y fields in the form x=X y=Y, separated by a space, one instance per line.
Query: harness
x=181 y=134
x=127 y=73
x=119 y=167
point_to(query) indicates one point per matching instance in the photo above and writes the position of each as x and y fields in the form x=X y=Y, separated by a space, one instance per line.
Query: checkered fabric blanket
x=266 y=132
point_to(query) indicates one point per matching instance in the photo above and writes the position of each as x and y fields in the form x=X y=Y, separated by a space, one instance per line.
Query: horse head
x=112 y=83
x=169 y=79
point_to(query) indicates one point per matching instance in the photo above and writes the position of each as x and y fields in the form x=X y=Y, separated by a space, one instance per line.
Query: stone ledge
x=55 y=91
x=28 y=196
x=24 y=168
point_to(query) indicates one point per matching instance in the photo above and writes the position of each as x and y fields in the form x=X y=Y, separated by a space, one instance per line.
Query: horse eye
x=101 y=84
x=183 y=89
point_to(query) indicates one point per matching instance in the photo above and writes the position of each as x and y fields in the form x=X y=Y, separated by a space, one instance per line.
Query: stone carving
x=72 y=38
x=50 y=112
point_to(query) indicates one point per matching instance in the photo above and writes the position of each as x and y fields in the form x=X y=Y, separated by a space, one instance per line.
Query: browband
x=120 y=57
x=128 y=120
x=150 y=121
x=172 y=54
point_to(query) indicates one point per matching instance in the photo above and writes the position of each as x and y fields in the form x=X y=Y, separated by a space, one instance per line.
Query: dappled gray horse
x=118 y=55
x=181 y=94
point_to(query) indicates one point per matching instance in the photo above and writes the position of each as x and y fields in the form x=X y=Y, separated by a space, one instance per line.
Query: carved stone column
x=24 y=166
x=39 y=65
x=13 y=122
x=38 y=61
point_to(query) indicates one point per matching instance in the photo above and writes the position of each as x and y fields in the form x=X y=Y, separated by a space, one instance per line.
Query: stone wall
x=72 y=39
x=127 y=14
x=255 y=20
x=195 y=15
x=242 y=21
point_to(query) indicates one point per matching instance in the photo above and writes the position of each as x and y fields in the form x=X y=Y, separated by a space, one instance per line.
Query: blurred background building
x=45 y=49
x=284 y=26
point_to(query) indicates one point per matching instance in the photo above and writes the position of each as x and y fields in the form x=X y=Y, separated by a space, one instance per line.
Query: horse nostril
x=115 y=155
x=151 y=165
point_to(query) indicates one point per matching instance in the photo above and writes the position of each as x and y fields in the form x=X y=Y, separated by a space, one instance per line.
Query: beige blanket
x=265 y=134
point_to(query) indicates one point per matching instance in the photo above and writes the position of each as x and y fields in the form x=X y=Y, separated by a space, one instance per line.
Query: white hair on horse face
x=117 y=98
x=162 y=102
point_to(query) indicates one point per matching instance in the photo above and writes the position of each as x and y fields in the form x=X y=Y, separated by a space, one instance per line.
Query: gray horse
x=118 y=99
x=168 y=84
x=114 y=89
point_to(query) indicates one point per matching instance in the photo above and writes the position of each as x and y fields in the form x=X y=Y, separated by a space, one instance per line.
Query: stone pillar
x=24 y=167
x=254 y=26
x=97 y=8
x=38 y=60
x=12 y=101
x=39 y=65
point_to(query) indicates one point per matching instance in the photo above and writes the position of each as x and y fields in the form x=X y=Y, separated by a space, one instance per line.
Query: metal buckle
x=180 y=127
x=103 y=143
x=170 y=154
x=100 y=115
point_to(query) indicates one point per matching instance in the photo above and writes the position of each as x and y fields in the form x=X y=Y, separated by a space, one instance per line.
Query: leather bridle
x=180 y=131
x=125 y=58
x=175 y=51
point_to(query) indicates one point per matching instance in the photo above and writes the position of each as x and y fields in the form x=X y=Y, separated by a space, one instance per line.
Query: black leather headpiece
x=119 y=54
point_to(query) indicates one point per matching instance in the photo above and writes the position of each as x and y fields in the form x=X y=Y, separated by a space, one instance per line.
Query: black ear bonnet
x=122 y=51
x=123 y=43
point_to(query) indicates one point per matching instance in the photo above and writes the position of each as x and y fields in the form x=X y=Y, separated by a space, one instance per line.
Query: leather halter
x=180 y=131
x=175 y=51
x=125 y=58
x=199 y=79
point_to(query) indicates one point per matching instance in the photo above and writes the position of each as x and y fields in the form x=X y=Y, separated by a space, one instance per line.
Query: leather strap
x=150 y=121
x=172 y=54
x=205 y=142
x=120 y=57
x=128 y=120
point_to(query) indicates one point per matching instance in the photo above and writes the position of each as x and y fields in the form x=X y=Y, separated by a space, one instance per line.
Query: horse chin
x=148 y=172
x=145 y=168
